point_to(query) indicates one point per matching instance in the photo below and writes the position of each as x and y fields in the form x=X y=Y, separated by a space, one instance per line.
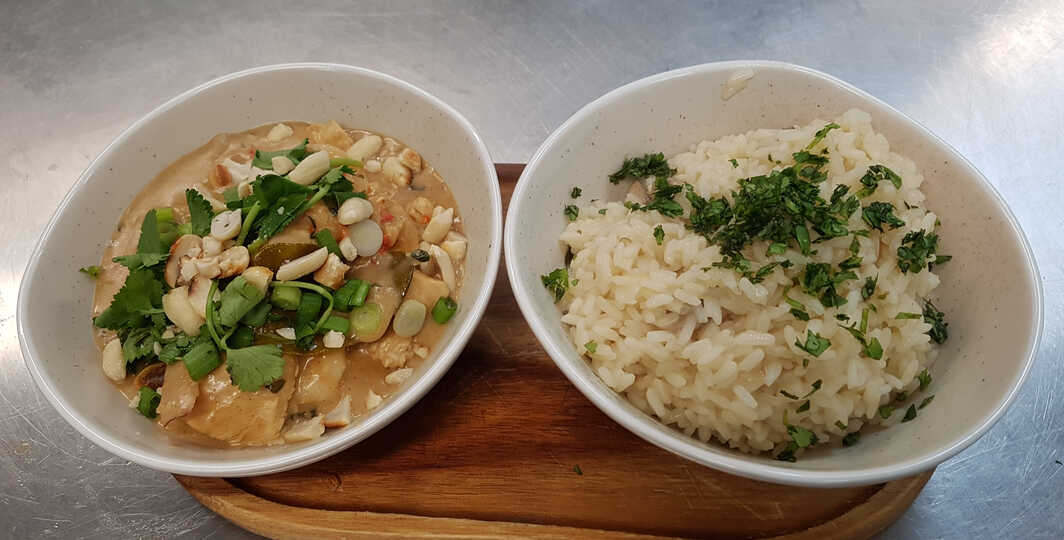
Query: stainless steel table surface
x=985 y=76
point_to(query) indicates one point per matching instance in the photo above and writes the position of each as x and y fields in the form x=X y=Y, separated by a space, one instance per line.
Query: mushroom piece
x=151 y=376
x=189 y=246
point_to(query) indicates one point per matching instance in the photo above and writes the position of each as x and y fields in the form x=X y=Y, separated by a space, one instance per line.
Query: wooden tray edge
x=275 y=520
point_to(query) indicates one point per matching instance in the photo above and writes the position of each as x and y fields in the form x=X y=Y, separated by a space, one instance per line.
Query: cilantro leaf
x=885 y=411
x=925 y=379
x=938 y=323
x=872 y=178
x=801 y=436
x=915 y=251
x=251 y=368
x=869 y=287
x=707 y=215
x=325 y=239
x=873 y=349
x=150 y=249
x=557 y=282
x=200 y=213
x=659 y=235
x=148 y=401
x=575 y=193
x=264 y=160
x=139 y=343
x=649 y=165
x=140 y=297
x=572 y=212
x=910 y=413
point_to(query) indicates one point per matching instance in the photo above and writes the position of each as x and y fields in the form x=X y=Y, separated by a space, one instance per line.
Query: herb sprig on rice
x=727 y=356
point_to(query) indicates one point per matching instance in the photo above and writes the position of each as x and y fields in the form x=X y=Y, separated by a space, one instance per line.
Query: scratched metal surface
x=986 y=76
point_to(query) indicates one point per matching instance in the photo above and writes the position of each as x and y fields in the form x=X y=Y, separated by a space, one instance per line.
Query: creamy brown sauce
x=223 y=415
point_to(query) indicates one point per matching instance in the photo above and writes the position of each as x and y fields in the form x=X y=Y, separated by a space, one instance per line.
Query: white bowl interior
x=55 y=303
x=990 y=291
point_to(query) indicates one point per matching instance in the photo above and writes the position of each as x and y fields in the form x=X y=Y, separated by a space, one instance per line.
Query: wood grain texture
x=494 y=451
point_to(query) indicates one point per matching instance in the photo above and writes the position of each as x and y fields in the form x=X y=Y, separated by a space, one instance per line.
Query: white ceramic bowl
x=54 y=303
x=990 y=291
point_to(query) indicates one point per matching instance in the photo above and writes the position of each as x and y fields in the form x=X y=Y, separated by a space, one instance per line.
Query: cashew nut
x=226 y=225
x=348 y=250
x=302 y=266
x=233 y=261
x=354 y=210
x=411 y=159
x=396 y=171
x=311 y=168
x=259 y=276
x=331 y=274
x=443 y=260
x=282 y=165
x=179 y=310
x=438 y=226
x=188 y=246
x=113 y=363
x=365 y=147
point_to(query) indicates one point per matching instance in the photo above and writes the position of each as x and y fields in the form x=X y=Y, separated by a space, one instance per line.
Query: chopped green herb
x=264 y=160
x=662 y=199
x=200 y=213
x=902 y=396
x=238 y=298
x=572 y=212
x=789 y=395
x=776 y=248
x=649 y=165
x=243 y=336
x=840 y=425
x=150 y=248
x=917 y=251
x=869 y=287
x=557 y=282
x=872 y=178
x=91 y=271
x=602 y=211
x=734 y=164
x=139 y=298
x=927 y=401
x=803 y=407
x=325 y=239
x=591 y=347
x=851 y=263
x=351 y=295
x=907 y=315
x=801 y=436
x=855 y=245
x=925 y=379
x=148 y=401
x=336 y=324
x=251 y=368
x=876 y=214
x=576 y=469
x=910 y=413
x=814 y=344
x=816 y=386
x=873 y=349
x=851 y=439
x=885 y=411
x=659 y=234
x=820 y=134
x=575 y=193
x=938 y=323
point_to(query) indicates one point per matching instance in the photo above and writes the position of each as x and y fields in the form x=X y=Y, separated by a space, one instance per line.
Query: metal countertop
x=985 y=76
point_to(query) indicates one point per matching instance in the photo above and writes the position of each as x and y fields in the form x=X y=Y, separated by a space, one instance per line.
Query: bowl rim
x=297 y=455
x=650 y=429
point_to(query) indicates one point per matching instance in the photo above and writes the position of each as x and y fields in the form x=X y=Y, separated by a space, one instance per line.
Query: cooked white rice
x=707 y=351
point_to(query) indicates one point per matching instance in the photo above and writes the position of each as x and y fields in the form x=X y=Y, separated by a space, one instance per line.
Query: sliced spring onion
x=286 y=298
x=336 y=324
x=444 y=309
x=366 y=319
x=165 y=214
x=340 y=162
x=351 y=295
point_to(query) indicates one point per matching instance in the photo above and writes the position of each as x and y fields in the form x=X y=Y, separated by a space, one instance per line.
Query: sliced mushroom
x=302 y=266
x=112 y=361
x=188 y=246
x=179 y=310
x=331 y=274
x=310 y=169
x=151 y=376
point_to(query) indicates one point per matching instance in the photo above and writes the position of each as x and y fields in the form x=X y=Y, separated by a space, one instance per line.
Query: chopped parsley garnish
x=662 y=199
x=872 y=178
x=820 y=134
x=148 y=401
x=927 y=401
x=659 y=234
x=910 y=413
x=801 y=436
x=789 y=395
x=572 y=212
x=91 y=271
x=776 y=248
x=734 y=164
x=649 y=165
x=851 y=263
x=938 y=323
x=851 y=439
x=815 y=344
x=591 y=347
x=575 y=193
x=797 y=308
x=925 y=379
x=877 y=214
x=885 y=411
x=917 y=251
x=816 y=386
x=602 y=211
x=803 y=407
x=870 y=347
x=818 y=280
x=557 y=282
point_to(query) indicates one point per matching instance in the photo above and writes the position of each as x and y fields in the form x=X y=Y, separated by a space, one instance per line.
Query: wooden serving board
x=505 y=446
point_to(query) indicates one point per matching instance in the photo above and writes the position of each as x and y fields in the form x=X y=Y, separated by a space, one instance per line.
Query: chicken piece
x=392 y=351
x=331 y=134
x=179 y=393
x=226 y=413
x=323 y=219
x=318 y=386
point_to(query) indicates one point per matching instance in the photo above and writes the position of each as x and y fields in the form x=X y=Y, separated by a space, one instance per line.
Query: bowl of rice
x=767 y=271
